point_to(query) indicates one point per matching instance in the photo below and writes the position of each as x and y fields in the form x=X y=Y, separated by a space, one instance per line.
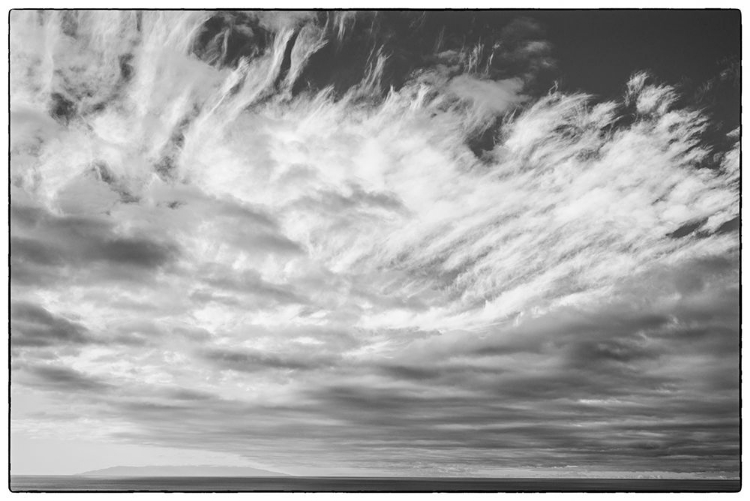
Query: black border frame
x=732 y=485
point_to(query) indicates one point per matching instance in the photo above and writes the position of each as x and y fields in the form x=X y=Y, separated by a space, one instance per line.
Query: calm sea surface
x=20 y=483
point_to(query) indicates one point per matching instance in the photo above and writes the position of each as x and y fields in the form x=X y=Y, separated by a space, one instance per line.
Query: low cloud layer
x=324 y=242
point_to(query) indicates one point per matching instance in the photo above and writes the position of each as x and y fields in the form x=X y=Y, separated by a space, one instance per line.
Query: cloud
x=63 y=379
x=495 y=97
x=254 y=361
x=53 y=242
x=32 y=325
x=372 y=235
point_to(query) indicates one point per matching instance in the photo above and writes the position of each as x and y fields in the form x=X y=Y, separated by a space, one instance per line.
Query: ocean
x=71 y=483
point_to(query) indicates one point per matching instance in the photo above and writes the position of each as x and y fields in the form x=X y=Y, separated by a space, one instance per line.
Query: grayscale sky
x=376 y=243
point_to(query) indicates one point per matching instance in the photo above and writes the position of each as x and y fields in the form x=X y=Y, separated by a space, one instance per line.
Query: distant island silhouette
x=182 y=471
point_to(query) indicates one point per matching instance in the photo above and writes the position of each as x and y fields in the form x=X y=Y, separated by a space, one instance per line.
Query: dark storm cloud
x=513 y=427
x=44 y=245
x=32 y=325
x=38 y=334
x=61 y=378
x=495 y=435
x=613 y=352
x=34 y=251
x=136 y=252
x=604 y=387
x=419 y=425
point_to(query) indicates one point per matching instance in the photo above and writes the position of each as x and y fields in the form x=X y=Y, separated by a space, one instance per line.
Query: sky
x=377 y=243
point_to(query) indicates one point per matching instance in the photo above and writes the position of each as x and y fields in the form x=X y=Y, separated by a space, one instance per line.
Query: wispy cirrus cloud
x=401 y=256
